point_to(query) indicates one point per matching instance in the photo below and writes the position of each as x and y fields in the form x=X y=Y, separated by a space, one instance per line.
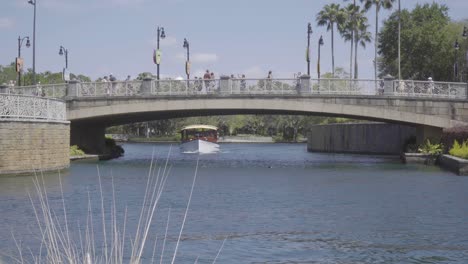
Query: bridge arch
x=90 y=116
x=128 y=110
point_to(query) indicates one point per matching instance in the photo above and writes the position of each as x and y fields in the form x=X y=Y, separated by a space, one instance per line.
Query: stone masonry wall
x=26 y=146
x=363 y=138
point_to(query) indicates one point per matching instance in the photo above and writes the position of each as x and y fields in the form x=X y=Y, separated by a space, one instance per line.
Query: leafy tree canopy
x=427 y=43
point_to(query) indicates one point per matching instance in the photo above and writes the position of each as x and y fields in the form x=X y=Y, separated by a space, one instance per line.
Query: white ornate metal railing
x=45 y=90
x=13 y=106
x=256 y=87
x=127 y=88
x=430 y=89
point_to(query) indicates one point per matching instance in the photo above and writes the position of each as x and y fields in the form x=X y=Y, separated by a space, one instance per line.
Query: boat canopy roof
x=199 y=127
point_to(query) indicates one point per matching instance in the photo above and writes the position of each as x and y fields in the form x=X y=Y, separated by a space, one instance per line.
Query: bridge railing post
x=305 y=84
x=146 y=86
x=466 y=91
x=74 y=89
x=224 y=87
x=389 y=88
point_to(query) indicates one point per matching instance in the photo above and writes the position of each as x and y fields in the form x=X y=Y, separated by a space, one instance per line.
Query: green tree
x=427 y=39
x=379 y=4
x=329 y=16
x=8 y=73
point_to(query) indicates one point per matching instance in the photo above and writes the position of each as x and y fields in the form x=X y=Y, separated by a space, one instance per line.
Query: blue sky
x=227 y=37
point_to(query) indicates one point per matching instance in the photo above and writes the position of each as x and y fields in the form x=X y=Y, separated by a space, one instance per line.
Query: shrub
x=76 y=151
x=450 y=135
x=431 y=149
x=458 y=150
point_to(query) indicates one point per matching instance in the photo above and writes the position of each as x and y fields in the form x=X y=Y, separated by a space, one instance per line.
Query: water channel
x=275 y=203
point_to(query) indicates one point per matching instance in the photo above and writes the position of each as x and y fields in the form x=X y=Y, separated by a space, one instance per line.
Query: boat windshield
x=192 y=134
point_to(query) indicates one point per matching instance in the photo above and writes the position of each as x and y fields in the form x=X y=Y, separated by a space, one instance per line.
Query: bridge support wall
x=89 y=137
x=362 y=138
x=428 y=132
x=28 y=146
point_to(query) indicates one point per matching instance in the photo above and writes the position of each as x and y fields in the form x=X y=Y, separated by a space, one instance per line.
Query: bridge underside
x=89 y=118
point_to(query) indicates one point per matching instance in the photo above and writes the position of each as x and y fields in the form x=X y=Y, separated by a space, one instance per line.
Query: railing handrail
x=252 y=86
x=426 y=81
x=25 y=107
x=34 y=96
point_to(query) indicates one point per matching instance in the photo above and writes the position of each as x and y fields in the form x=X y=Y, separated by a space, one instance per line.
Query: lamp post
x=187 y=63
x=18 y=61
x=320 y=43
x=399 y=40
x=455 y=65
x=64 y=51
x=65 y=75
x=465 y=36
x=33 y=2
x=162 y=35
x=309 y=32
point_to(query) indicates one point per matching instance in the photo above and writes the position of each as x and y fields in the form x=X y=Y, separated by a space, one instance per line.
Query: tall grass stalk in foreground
x=57 y=245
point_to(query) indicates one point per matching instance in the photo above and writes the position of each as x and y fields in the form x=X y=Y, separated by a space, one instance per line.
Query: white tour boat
x=199 y=139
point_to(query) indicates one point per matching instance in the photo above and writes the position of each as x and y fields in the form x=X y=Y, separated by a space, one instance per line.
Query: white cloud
x=6 y=23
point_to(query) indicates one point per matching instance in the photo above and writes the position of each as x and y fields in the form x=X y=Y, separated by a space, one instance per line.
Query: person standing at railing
x=212 y=81
x=105 y=85
x=269 y=80
x=298 y=82
x=243 y=84
x=430 y=89
x=113 y=83
x=128 y=89
x=207 y=77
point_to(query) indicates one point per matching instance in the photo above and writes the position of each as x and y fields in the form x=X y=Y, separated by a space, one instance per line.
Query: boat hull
x=199 y=146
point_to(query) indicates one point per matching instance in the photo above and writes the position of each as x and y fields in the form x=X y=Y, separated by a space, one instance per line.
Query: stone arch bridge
x=91 y=107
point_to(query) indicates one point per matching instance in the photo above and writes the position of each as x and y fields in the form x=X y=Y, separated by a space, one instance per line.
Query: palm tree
x=361 y=36
x=349 y=35
x=385 y=4
x=329 y=16
x=347 y=29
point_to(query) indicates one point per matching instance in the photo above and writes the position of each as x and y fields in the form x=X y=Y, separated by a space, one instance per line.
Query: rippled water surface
x=276 y=203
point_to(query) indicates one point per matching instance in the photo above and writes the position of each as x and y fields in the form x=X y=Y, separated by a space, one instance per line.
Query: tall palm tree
x=329 y=16
x=349 y=36
x=361 y=36
x=347 y=29
x=385 y=4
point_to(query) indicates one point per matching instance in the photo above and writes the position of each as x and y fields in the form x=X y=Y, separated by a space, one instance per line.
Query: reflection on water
x=276 y=202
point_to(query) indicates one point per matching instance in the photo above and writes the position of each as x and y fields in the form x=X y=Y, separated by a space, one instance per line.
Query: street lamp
x=187 y=63
x=455 y=65
x=33 y=2
x=19 y=61
x=309 y=32
x=162 y=35
x=320 y=43
x=465 y=36
x=61 y=52
x=399 y=40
